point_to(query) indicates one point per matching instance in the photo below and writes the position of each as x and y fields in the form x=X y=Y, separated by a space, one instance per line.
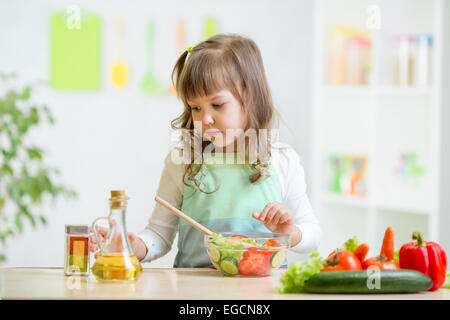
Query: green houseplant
x=25 y=180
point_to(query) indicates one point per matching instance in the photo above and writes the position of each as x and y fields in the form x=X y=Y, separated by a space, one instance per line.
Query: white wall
x=444 y=235
x=118 y=138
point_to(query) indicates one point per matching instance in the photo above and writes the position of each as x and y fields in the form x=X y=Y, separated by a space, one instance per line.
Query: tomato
x=238 y=236
x=273 y=243
x=342 y=260
x=380 y=262
x=255 y=262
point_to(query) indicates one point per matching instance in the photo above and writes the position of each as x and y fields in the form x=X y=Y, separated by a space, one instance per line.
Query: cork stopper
x=118 y=199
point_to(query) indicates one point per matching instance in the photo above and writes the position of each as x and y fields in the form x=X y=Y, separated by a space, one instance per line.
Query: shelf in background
x=343 y=200
x=403 y=209
x=364 y=203
x=346 y=91
x=380 y=119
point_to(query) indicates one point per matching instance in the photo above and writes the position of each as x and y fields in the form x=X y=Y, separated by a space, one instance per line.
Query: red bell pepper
x=255 y=262
x=239 y=236
x=425 y=256
x=273 y=243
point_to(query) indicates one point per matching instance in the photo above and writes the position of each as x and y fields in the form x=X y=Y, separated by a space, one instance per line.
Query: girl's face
x=218 y=117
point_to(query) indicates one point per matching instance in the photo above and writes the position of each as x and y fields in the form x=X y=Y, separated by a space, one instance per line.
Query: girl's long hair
x=234 y=63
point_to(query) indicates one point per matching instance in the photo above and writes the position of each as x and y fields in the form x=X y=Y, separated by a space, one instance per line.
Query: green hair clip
x=190 y=48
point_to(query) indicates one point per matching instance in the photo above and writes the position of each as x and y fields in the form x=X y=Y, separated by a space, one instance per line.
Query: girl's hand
x=139 y=247
x=276 y=216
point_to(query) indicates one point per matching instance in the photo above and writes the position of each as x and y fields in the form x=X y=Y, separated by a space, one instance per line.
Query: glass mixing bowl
x=255 y=254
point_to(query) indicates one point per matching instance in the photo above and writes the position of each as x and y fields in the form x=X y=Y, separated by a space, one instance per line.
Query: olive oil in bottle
x=116 y=261
x=116 y=267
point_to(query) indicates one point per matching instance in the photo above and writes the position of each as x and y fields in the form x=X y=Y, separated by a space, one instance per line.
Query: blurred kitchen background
x=361 y=88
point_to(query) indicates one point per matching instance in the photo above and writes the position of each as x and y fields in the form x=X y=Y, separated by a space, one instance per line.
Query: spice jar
x=423 y=66
x=337 y=62
x=404 y=75
x=358 y=60
x=349 y=56
x=77 y=250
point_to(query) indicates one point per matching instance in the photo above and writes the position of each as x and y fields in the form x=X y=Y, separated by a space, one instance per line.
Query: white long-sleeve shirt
x=162 y=227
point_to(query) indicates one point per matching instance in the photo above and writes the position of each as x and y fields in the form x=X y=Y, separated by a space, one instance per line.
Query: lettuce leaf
x=294 y=278
x=446 y=284
x=396 y=256
x=350 y=245
x=219 y=240
x=232 y=249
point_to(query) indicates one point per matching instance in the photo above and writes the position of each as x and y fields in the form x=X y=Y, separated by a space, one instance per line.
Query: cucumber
x=369 y=281
x=214 y=254
x=277 y=258
x=229 y=266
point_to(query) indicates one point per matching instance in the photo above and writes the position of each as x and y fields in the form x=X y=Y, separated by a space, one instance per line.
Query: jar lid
x=77 y=229
x=404 y=38
x=425 y=38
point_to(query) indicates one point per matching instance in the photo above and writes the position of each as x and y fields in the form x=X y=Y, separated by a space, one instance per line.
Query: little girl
x=252 y=186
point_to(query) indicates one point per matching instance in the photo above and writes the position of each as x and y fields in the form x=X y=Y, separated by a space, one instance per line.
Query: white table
x=165 y=284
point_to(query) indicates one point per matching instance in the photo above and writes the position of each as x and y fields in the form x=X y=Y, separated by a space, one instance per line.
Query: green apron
x=229 y=208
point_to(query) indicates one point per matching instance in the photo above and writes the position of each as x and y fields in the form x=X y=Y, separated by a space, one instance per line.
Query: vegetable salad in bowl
x=249 y=254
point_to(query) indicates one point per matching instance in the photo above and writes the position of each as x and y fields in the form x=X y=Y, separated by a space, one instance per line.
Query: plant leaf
x=26 y=93
x=6 y=169
x=33 y=117
x=43 y=220
x=31 y=218
x=34 y=153
x=27 y=186
x=18 y=221
x=49 y=115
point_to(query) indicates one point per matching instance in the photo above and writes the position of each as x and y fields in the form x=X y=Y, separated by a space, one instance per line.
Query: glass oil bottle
x=116 y=261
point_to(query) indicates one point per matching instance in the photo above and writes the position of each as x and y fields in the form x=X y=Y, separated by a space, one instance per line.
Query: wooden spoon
x=183 y=216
